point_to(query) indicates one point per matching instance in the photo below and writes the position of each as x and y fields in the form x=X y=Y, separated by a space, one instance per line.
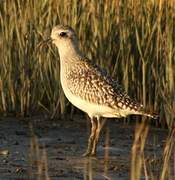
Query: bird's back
x=90 y=83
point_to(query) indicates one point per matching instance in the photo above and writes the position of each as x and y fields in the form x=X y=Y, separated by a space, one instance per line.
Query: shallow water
x=37 y=148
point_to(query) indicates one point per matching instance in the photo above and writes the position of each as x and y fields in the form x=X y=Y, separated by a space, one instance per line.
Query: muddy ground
x=45 y=149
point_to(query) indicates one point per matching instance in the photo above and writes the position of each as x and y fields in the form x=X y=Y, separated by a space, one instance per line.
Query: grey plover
x=90 y=88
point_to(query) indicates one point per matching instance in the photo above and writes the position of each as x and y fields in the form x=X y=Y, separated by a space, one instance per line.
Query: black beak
x=44 y=42
x=49 y=40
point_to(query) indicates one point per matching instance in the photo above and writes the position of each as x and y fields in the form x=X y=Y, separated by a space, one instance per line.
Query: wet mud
x=45 y=149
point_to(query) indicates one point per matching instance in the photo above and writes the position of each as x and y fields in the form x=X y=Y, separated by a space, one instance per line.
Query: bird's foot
x=89 y=154
x=86 y=154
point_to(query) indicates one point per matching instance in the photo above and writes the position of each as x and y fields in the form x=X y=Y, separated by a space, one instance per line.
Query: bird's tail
x=152 y=115
x=147 y=113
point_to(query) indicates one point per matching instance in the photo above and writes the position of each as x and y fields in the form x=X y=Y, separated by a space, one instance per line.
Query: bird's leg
x=100 y=124
x=91 y=137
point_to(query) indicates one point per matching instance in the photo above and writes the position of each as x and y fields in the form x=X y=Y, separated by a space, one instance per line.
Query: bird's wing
x=120 y=97
x=94 y=84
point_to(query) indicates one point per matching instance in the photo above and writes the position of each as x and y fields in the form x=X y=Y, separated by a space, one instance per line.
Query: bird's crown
x=61 y=31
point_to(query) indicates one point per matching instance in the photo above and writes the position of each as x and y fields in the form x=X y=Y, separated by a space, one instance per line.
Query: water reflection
x=91 y=164
x=38 y=158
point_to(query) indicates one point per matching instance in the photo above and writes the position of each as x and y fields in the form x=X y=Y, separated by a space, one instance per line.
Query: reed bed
x=133 y=40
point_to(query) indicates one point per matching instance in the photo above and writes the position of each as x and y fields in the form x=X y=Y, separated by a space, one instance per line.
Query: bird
x=89 y=87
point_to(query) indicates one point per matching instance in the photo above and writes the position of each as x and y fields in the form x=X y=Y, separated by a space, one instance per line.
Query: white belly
x=93 y=110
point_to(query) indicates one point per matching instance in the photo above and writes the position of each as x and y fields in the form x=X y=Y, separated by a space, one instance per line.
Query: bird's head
x=63 y=36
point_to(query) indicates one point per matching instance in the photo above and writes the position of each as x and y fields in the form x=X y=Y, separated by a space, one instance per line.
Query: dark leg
x=100 y=124
x=91 y=137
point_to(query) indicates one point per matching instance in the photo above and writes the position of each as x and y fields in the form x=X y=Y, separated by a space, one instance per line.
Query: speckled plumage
x=89 y=87
x=89 y=82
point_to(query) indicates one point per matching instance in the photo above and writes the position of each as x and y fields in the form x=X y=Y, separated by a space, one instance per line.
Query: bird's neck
x=69 y=54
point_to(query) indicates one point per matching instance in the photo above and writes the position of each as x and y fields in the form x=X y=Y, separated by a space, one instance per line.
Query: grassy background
x=133 y=40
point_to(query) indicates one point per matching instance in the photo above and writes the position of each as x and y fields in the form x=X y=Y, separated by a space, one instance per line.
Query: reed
x=133 y=40
x=38 y=159
x=141 y=167
x=137 y=161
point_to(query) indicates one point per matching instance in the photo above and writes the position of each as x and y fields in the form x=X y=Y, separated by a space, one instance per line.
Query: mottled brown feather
x=93 y=84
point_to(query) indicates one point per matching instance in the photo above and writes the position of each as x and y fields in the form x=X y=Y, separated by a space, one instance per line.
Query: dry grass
x=141 y=168
x=38 y=159
x=134 y=40
x=138 y=152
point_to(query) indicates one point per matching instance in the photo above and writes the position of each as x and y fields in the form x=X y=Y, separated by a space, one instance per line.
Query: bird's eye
x=63 y=34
